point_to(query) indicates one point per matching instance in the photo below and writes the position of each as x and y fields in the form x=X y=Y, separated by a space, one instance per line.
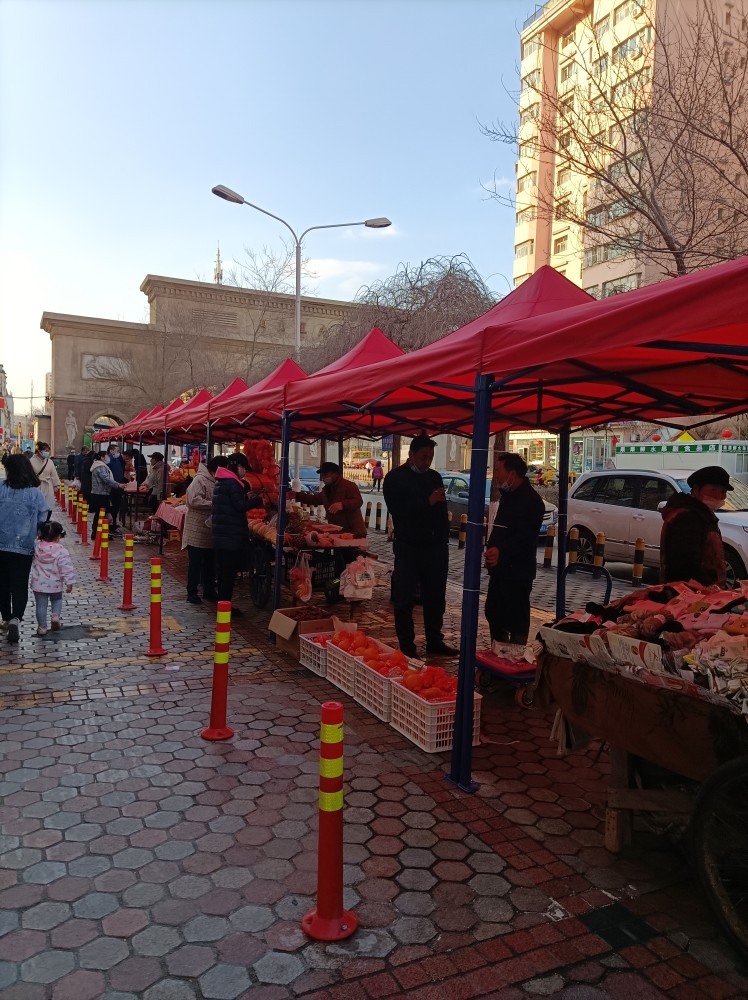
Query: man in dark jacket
x=117 y=501
x=71 y=465
x=511 y=551
x=414 y=494
x=691 y=543
x=231 y=501
x=79 y=462
x=341 y=499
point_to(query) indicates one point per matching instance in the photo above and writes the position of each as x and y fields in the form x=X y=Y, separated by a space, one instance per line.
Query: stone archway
x=101 y=422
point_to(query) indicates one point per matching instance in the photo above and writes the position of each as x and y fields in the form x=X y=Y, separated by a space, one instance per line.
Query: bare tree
x=417 y=305
x=655 y=126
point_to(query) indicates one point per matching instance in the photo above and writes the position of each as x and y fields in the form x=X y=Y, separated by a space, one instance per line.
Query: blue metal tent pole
x=280 y=525
x=164 y=487
x=462 y=739
x=564 y=441
x=208 y=442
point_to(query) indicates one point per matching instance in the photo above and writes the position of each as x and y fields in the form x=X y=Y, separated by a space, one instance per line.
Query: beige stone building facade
x=199 y=334
x=587 y=66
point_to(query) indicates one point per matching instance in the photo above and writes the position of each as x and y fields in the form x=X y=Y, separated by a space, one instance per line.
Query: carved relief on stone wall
x=102 y=366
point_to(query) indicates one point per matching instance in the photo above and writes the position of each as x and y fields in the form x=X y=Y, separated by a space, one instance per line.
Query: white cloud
x=362 y=233
x=341 y=279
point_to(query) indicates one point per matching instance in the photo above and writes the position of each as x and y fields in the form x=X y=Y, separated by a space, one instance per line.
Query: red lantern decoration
x=726 y=434
x=656 y=437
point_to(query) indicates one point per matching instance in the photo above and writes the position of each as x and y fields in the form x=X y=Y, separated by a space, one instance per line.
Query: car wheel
x=735 y=568
x=586 y=550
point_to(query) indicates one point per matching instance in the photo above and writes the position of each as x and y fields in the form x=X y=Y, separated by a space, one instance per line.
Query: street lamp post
x=381 y=223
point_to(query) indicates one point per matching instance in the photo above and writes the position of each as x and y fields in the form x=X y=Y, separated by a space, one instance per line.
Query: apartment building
x=587 y=72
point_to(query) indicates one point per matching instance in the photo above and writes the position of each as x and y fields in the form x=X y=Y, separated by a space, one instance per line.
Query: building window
x=524 y=249
x=630 y=85
x=617 y=285
x=566 y=108
x=568 y=72
x=530 y=81
x=563 y=177
x=527 y=181
x=569 y=38
x=596 y=217
x=530 y=47
x=602 y=27
x=593 y=290
x=617 y=209
x=628 y=9
x=631 y=45
x=600 y=67
x=564 y=140
x=562 y=209
x=525 y=215
x=530 y=114
x=561 y=245
x=594 y=255
x=630 y=167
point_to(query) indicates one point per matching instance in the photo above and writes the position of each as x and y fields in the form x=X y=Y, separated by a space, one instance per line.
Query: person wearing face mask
x=414 y=494
x=341 y=499
x=691 y=543
x=511 y=551
x=45 y=471
x=103 y=487
x=117 y=501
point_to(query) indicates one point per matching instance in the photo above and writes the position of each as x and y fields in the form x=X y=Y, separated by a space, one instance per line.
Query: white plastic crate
x=371 y=689
x=341 y=668
x=313 y=656
x=428 y=724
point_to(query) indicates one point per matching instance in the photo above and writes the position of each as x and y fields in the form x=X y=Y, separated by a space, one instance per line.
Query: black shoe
x=409 y=651
x=236 y=613
x=13 y=631
x=442 y=650
x=193 y=599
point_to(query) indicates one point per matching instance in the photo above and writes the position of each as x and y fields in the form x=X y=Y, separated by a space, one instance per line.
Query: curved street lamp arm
x=297 y=239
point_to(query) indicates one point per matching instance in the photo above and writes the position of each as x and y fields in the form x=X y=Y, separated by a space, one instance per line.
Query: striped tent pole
x=155 y=647
x=218 y=729
x=104 y=563
x=329 y=921
x=127 y=604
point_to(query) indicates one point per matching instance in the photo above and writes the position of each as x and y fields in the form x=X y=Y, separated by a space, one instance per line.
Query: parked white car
x=625 y=504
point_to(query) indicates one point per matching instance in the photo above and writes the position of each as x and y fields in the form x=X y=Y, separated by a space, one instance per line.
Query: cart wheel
x=259 y=576
x=524 y=696
x=720 y=835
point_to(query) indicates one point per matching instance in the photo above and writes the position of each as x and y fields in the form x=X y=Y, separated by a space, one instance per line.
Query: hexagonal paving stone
x=206 y=929
x=156 y=941
x=47 y=967
x=252 y=918
x=96 y=905
x=45 y=872
x=224 y=982
x=103 y=953
x=132 y=858
x=171 y=989
x=45 y=916
x=278 y=967
x=191 y=960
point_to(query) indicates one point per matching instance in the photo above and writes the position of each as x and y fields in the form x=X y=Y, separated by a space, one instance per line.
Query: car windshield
x=737 y=498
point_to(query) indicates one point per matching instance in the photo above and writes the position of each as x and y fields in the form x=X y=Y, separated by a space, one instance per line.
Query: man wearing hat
x=341 y=499
x=691 y=544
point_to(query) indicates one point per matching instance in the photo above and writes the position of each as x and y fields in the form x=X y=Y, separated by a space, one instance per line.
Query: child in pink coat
x=51 y=570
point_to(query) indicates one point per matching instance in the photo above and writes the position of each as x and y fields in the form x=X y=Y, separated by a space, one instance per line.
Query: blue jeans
x=41 y=605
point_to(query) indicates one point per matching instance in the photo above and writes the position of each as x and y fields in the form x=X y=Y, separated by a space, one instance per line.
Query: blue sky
x=118 y=116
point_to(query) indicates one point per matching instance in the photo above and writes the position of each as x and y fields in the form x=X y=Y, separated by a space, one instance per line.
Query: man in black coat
x=691 y=543
x=414 y=494
x=511 y=551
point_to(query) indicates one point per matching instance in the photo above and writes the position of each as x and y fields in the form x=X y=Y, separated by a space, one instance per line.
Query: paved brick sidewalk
x=139 y=861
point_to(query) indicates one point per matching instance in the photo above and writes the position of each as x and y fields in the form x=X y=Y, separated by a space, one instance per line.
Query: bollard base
x=103 y=579
x=219 y=733
x=155 y=652
x=126 y=607
x=329 y=929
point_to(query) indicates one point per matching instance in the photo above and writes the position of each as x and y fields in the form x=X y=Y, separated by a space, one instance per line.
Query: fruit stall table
x=322 y=541
x=135 y=500
x=172 y=514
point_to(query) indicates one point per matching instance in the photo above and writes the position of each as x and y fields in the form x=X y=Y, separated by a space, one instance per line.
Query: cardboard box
x=287 y=628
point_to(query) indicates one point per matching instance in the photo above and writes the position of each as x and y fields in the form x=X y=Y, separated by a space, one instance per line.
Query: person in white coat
x=46 y=472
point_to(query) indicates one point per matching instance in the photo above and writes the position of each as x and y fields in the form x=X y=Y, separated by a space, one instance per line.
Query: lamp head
x=228 y=195
x=370 y=223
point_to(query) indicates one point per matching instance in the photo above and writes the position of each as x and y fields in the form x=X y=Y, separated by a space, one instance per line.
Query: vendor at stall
x=691 y=543
x=341 y=499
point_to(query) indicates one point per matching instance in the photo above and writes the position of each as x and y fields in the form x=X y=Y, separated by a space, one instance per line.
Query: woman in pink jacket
x=51 y=571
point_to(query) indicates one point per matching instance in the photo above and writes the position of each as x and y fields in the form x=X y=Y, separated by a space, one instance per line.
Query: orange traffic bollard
x=218 y=729
x=96 y=554
x=84 y=523
x=104 y=564
x=156 y=647
x=127 y=604
x=73 y=512
x=329 y=921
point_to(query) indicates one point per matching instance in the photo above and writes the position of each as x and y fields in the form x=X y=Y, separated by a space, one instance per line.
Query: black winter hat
x=711 y=475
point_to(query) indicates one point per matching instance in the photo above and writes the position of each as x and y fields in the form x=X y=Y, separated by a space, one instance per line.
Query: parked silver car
x=457 y=486
x=625 y=504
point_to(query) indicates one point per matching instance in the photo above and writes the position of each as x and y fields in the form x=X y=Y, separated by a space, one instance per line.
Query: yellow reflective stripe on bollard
x=331 y=768
x=155 y=598
x=223 y=617
x=220 y=657
x=331 y=801
x=331 y=734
